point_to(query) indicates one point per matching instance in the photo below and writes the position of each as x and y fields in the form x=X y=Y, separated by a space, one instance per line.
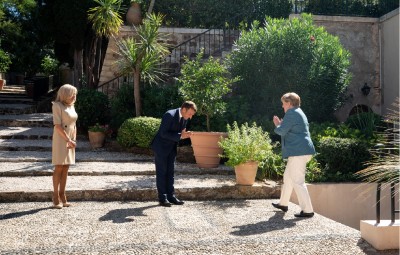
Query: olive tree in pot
x=206 y=82
x=245 y=147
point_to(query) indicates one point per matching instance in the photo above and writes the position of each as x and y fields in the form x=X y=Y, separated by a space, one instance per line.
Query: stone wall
x=175 y=36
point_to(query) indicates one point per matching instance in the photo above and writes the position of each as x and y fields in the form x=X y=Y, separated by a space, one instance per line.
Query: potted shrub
x=49 y=66
x=206 y=82
x=5 y=62
x=245 y=147
x=97 y=135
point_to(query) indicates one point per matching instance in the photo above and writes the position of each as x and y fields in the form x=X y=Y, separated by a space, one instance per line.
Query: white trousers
x=294 y=178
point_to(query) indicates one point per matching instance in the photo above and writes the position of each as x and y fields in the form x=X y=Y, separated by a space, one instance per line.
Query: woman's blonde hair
x=64 y=92
x=292 y=98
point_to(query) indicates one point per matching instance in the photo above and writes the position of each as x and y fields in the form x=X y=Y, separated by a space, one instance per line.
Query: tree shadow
x=276 y=222
x=123 y=215
x=21 y=214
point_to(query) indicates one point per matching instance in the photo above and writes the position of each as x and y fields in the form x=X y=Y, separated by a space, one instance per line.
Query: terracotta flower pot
x=134 y=15
x=246 y=173
x=96 y=139
x=2 y=83
x=206 y=149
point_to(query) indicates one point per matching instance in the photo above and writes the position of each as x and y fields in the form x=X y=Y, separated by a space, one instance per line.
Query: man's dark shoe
x=304 y=214
x=282 y=207
x=165 y=203
x=175 y=201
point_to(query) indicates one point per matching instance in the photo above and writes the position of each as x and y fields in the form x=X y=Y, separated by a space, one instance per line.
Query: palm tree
x=385 y=166
x=142 y=55
x=106 y=21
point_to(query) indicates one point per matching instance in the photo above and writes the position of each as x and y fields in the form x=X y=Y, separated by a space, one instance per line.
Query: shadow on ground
x=124 y=215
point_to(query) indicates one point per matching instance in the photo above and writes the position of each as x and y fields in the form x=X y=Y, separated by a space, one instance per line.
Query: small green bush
x=49 y=65
x=341 y=157
x=92 y=107
x=5 y=61
x=245 y=143
x=138 y=131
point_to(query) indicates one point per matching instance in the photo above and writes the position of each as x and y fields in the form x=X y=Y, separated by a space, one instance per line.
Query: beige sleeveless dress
x=66 y=116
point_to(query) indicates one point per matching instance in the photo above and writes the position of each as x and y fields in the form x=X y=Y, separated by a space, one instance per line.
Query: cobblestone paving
x=211 y=227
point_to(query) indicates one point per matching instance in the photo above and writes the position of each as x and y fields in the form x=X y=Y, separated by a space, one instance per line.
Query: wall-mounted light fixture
x=365 y=89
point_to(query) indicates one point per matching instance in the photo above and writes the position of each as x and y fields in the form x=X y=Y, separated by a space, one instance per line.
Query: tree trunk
x=136 y=91
x=78 y=68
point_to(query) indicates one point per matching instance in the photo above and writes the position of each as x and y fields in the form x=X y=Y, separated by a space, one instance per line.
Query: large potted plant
x=245 y=147
x=5 y=62
x=206 y=82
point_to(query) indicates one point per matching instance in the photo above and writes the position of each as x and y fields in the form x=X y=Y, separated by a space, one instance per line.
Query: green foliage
x=205 y=83
x=340 y=158
x=49 y=65
x=122 y=106
x=367 y=122
x=272 y=167
x=369 y=8
x=213 y=14
x=5 y=61
x=384 y=167
x=314 y=172
x=92 y=107
x=246 y=143
x=105 y=17
x=290 y=55
x=158 y=98
x=138 y=131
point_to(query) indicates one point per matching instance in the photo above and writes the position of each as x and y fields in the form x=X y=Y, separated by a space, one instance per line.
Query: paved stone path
x=198 y=227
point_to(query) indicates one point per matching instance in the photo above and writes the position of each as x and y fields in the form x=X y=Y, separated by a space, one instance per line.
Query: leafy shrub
x=49 y=65
x=138 y=131
x=272 y=167
x=341 y=157
x=5 y=61
x=92 y=107
x=208 y=14
x=290 y=55
x=367 y=122
x=205 y=82
x=245 y=143
x=122 y=106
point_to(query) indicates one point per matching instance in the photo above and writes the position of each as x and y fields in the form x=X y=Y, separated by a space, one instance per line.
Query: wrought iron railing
x=393 y=210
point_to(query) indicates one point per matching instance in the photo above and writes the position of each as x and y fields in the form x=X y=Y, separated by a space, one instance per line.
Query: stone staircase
x=102 y=174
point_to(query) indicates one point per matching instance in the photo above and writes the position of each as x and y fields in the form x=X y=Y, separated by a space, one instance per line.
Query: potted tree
x=245 y=147
x=97 y=135
x=5 y=62
x=206 y=82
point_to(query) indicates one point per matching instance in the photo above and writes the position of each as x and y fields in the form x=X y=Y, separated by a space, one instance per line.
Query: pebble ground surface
x=197 y=227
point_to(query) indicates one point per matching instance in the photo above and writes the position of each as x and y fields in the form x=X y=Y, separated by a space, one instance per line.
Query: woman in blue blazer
x=164 y=145
x=298 y=149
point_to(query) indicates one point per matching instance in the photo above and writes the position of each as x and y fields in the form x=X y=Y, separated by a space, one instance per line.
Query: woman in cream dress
x=64 y=141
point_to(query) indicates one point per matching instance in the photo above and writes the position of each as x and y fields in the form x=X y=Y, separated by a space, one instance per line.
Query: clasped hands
x=277 y=121
x=185 y=134
x=71 y=144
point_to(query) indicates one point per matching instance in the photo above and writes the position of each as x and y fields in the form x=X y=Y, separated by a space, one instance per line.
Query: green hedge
x=341 y=157
x=138 y=131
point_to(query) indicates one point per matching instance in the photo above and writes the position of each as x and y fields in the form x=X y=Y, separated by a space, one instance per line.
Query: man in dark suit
x=164 y=145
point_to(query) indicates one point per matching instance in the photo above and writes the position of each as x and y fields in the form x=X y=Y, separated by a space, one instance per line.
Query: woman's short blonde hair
x=64 y=92
x=292 y=98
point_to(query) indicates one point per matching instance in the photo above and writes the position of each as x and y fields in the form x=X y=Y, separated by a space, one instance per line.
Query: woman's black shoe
x=282 y=207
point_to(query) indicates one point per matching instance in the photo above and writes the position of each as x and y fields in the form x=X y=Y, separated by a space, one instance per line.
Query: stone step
x=13 y=99
x=17 y=109
x=25 y=132
x=27 y=120
x=20 y=169
x=37 y=145
x=98 y=155
x=133 y=187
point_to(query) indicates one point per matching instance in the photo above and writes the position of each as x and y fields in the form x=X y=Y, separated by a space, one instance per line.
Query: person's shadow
x=276 y=222
x=21 y=214
x=123 y=215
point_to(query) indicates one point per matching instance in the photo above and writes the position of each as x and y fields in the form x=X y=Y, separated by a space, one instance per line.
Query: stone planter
x=96 y=139
x=246 y=173
x=206 y=149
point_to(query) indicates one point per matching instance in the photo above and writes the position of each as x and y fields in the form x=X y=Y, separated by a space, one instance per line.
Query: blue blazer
x=169 y=133
x=295 y=135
